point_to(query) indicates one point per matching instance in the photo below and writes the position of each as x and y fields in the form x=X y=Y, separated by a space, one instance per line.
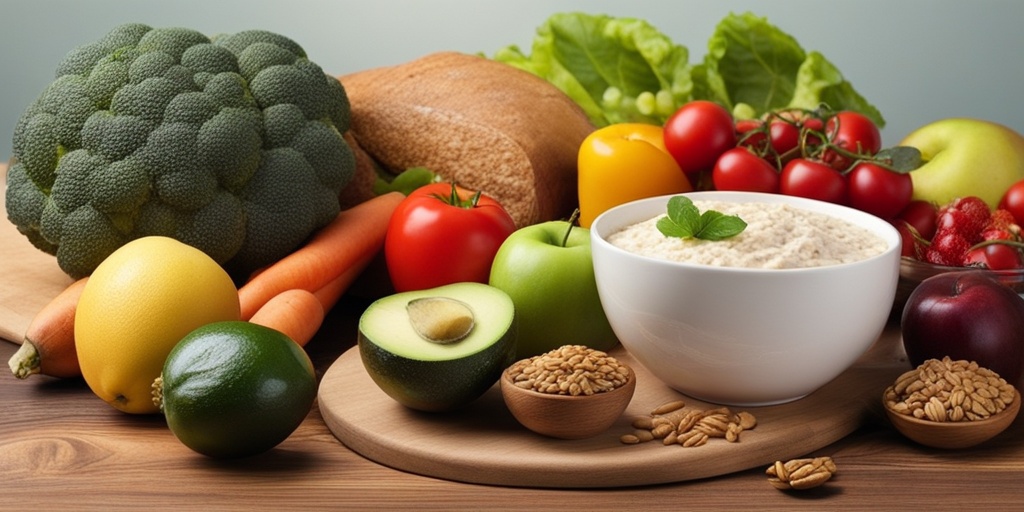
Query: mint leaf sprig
x=684 y=220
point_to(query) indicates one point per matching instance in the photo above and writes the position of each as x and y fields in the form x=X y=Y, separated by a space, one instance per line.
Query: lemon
x=140 y=302
x=234 y=389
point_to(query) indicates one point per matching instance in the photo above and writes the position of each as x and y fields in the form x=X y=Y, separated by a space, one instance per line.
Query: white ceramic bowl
x=738 y=336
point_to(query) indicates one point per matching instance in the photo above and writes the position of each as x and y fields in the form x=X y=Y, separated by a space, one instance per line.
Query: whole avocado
x=232 y=144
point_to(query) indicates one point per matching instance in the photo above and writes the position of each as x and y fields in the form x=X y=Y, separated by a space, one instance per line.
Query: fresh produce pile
x=962 y=233
x=236 y=161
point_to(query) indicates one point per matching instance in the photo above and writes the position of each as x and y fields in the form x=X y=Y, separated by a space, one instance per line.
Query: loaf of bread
x=484 y=124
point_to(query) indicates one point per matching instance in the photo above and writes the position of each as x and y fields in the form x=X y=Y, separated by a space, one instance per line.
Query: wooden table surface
x=61 y=448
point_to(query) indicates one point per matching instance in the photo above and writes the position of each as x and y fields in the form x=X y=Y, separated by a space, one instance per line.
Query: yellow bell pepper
x=623 y=162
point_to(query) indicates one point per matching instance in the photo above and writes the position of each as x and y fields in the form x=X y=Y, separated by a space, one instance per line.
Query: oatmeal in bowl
x=777 y=236
x=763 y=316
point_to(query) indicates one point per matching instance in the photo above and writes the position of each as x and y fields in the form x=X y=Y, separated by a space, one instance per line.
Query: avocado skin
x=234 y=389
x=438 y=386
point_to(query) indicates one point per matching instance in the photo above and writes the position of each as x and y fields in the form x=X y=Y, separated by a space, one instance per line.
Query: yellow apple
x=966 y=157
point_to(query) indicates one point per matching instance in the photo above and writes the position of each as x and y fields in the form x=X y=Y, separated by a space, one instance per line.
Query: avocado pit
x=438 y=349
x=440 y=320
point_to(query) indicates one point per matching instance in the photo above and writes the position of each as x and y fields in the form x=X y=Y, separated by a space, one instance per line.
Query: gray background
x=916 y=60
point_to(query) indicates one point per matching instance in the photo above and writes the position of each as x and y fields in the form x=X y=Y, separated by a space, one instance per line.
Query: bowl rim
x=883 y=229
x=506 y=382
x=914 y=263
x=1010 y=411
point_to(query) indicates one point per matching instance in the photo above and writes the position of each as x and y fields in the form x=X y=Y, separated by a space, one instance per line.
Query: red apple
x=966 y=315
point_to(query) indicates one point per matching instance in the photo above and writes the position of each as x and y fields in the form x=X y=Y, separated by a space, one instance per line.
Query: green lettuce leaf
x=616 y=69
x=751 y=62
x=626 y=70
x=752 y=68
x=819 y=82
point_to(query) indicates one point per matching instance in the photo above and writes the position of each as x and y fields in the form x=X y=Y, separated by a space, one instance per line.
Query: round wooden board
x=29 y=279
x=484 y=444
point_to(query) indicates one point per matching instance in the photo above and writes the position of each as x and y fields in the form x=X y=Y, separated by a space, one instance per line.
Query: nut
x=799 y=474
x=668 y=407
x=674 y=423
x=692 y=438
x=569 y=370
x=946 y=391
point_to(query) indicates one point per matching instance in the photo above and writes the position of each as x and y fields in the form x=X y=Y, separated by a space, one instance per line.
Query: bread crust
x=484 y=124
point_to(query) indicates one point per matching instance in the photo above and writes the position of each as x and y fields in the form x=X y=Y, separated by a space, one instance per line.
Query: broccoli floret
x=231 y=144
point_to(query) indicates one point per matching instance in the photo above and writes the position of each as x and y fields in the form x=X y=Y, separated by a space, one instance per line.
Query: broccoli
x=232 y=144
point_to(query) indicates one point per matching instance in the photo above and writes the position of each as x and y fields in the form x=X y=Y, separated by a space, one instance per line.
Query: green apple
x=965 y=157
x=551 y=281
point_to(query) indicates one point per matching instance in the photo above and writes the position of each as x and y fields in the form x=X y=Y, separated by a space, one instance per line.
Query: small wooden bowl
x=953 y=435
x=566 y=416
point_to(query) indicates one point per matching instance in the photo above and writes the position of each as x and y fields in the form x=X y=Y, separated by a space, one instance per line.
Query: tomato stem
x=454 y=199
x=997 y=241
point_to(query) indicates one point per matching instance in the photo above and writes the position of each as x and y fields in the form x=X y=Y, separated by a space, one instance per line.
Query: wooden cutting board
x=29 y=278
x=484 y=443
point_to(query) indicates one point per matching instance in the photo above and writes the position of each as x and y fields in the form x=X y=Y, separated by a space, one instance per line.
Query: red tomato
x=808 y=125
x=908 y=244
x=697 y=134
x=852 y=132
x=1013 y=202
x=812 y=126
x=995 y=257
x=750 y=133
x=785 y=138
x=879 y=191
x=739 y=169
x=812 y=179
x=923 y=216
x=442 y=234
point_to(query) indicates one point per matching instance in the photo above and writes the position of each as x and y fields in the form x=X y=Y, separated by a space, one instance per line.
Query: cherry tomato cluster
x=834 y=157
x=963 y=233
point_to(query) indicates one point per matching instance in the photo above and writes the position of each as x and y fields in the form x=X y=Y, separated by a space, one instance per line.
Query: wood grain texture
x=24 y=269
x=61 y=448
x=954 y=434
x=484 y=444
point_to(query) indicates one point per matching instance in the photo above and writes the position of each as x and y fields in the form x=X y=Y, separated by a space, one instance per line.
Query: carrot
x=331 y=292
x=300 y=313
x=354 y=234
x=296 y=312
x=49 y=343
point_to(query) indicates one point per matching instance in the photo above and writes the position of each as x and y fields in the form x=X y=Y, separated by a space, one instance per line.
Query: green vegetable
x=231 y=144
x=684 y=220
x=234 y=389
x=423 y=373
x=617 y=69
x=751 y=64
x=407 y=181
x=624 y=69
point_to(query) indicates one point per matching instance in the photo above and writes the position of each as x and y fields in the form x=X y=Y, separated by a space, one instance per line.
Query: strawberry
x=973 y=206
x=949 y=247
x=953 y=220
x=1001 y=219
x=996 y=234
x=965 y=215
x=1000 y=226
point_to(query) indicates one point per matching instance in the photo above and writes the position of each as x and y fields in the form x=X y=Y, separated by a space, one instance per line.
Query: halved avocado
x=438 y=349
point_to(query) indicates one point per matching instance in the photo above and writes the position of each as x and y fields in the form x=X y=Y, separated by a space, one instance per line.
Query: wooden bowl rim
x=1012 y=410
x=506 y=382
